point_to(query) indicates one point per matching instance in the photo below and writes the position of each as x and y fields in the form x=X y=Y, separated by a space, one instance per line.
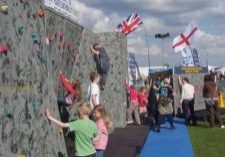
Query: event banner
x=187 y=55
x=190 y=70
x=195 y=57
x=64 y=7
x=132 y=65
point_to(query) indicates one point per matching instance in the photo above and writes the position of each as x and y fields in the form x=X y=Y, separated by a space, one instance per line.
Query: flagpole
x=163 y=54
x=146 y=38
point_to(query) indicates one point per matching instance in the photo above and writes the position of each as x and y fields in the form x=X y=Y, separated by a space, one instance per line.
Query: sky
x=160 y=16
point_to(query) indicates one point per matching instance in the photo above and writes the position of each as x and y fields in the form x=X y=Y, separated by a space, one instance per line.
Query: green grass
x=207 y=142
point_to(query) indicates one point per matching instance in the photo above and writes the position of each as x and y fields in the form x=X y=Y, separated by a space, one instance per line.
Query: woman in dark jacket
x=210 y=94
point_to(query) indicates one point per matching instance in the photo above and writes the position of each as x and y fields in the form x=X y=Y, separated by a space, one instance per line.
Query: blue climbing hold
x=41 y=57
x=20 y=30
x=9 y=114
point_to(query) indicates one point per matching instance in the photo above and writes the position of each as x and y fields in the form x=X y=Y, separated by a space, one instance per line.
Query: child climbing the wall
x=93 y=90
x=102 y=62
x=73 y=89
x=133 y=104
x=143 y=101
x=103 y=125
x=85 y=131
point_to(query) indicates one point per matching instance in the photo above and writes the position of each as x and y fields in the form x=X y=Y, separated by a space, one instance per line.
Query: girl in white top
x=93 y=90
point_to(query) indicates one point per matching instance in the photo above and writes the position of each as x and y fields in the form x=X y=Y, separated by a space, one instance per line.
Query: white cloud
x=214 y=44
x=138 y=46
x=88 y=16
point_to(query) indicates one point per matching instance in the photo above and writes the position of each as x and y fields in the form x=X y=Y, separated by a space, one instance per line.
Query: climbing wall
x=35 y=44
x=26 y=84
x=63 y=41
x=114 y=94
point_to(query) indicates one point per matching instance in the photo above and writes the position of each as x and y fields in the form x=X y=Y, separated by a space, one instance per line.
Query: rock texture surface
x=29 y=76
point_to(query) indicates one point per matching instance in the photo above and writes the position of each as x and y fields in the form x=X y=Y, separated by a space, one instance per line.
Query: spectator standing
x=187 y=100
x=165 y=105
x=93 y=90
x=211 y=100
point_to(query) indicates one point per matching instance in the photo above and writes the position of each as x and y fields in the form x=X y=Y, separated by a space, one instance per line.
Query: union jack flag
x=130 y=24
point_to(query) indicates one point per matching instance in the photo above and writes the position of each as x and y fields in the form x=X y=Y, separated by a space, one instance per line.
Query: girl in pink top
x=103 y=124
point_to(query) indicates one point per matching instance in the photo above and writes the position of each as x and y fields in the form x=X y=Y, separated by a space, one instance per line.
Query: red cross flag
x=190 y=34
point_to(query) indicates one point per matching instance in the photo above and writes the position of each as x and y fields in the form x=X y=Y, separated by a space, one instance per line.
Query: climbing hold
x=34 y=105
x=4 y=9
x=28 y=14
x=21 y=155
x=20 y=30
x=41 y=57
x=48 y=40
x=23 y=1
x=35 y=38
x=41 y=12
x=60 y=35
x=4 y=49
x=9 y=114
x=71 y=46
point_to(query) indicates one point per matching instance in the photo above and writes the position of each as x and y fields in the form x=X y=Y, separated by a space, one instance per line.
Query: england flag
x=184 y=40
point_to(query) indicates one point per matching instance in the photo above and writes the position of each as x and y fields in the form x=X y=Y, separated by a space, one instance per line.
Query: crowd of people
x=155 y=99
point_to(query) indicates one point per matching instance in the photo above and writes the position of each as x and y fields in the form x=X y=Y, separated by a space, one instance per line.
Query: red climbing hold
x=23 y=1
x=59 y=34
x=71 y=46
x=4 y=49
x=41 y=12
x=50 y=38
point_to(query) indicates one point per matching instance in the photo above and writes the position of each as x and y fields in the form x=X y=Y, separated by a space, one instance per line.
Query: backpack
x=105 y=62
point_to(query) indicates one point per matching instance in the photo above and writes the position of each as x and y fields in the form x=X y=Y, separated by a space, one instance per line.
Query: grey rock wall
x=26 y=86
x=63 y=47
x=29 y=77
